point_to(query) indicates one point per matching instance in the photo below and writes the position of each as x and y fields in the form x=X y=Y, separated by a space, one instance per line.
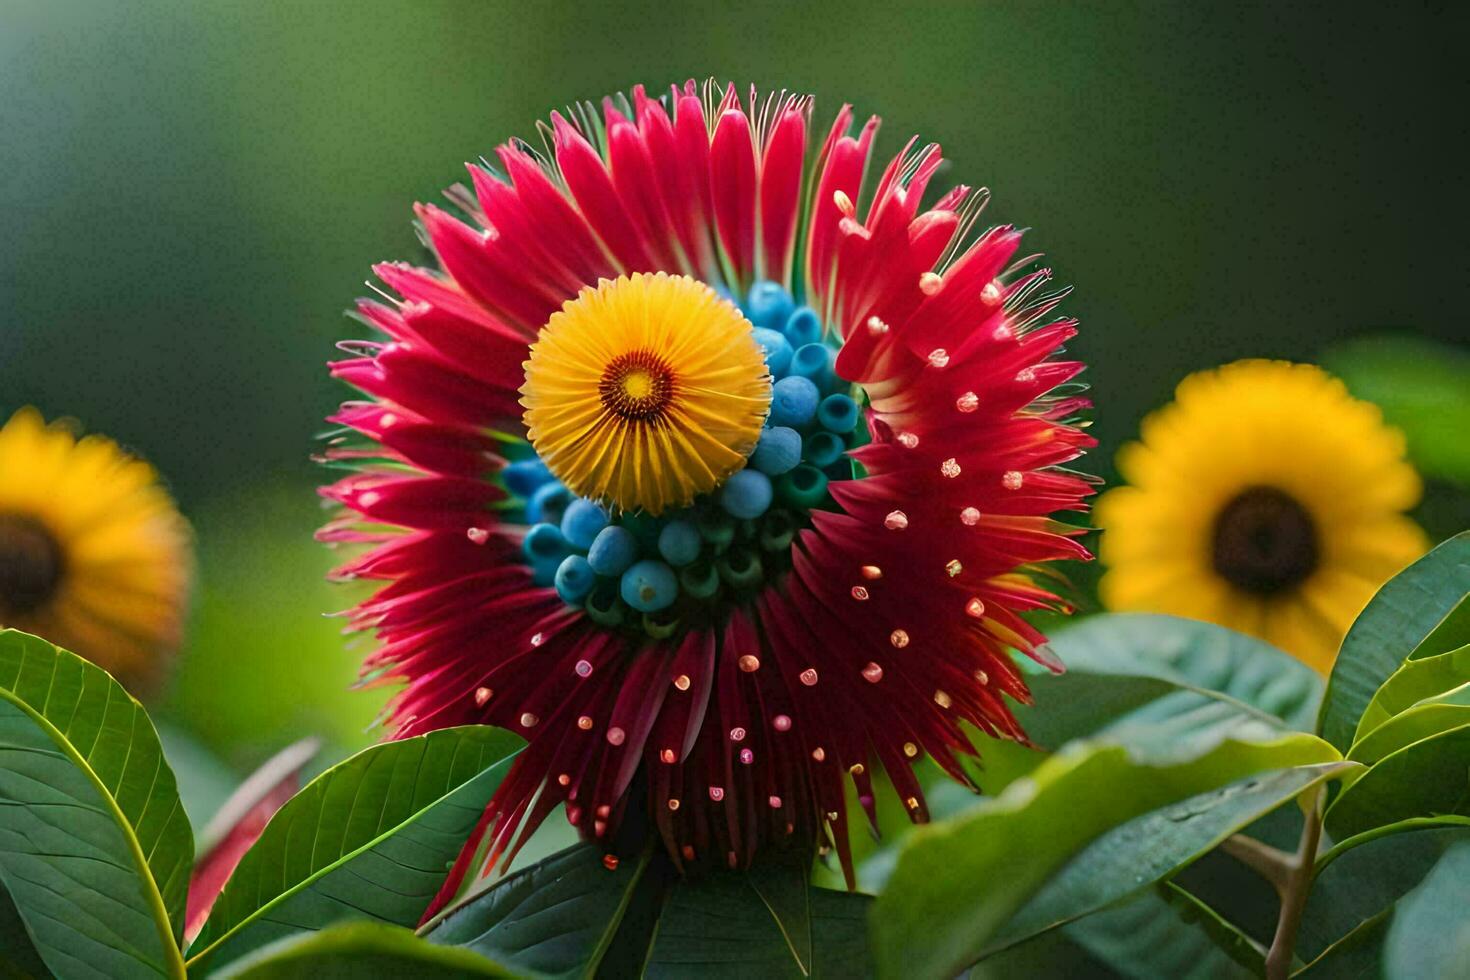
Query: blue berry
x=803 y=327
x=548 y=502
x=793 y=401
x=813 y=361
x=838 y=413
x=768 y=305
x=582 y=522
x=747 y=494
x=523 y=476
x=545 y=542
x=679 y=542
x=574 y=579
x=777 y=349
x=612 y=551
x=778 y=450
x=649 y=586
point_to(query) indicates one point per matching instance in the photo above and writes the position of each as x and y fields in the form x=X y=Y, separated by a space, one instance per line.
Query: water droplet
x=603 y=811
x=747 y=756
x=856 y=769
x=950 y=468
x=929 y=284
x=1011 y=480
x=896 y=520
x=859 y=593
x=843 y=203
x=942 y=699
x=908 y=440
x=537 y=639
x=872 y=673
x=673 y=804
x=737 y=734
x=953 y=567
x=369 y=498
x=876 y=326
x=1025 y=376
x=584 y=722
x=667 y=757
x=975 y=608
x=610 y=861
x=970 y=516
x=564 y=779
x=775 y=802
x=529 y=720
x=981 y=677
x=819 y=753
x=967 y=402
x=990 y=295
x=584 y=668
x=1003 y=331
x=477 y=535
x=749 y=663
x=872 y=572
x=809 y=677
x=939 y=357
x=682 y=682
x=388 y=420
x=615 y=736
x=782 y=723
x=688 y=851
x=716 y=793
x=482 y=694
x=910 y=749
x=899 y=638
x=832 y=815
x=912 y=802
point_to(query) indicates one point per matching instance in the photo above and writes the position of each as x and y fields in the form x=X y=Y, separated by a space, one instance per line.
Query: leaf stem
x=1294 y=891
x=1269 y=862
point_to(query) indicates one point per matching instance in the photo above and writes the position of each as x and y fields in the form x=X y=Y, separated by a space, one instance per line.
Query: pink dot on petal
x=809 y=677
x=616 y=735
x=584 y=668
x=970 y=516
x=896 y=520
x=477 y=535
x=967 y=402
x=782 y=723
x=716 y=793
x=872 y=673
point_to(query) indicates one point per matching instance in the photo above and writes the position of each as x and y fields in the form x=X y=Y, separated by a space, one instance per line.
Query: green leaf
x=1132 y=856
x=1165 y=932
x=1429 y=717
x=1359 y=879
x=957 y=883
x=1149 y=680
x=18 y=956
x=1403 y=613
x=556 y=918
x=370 y=838
x=1430 y=935
x=1356 y=955
x=95 y=849
x=360 y=949
x=1413 y=682
x=1429 y=778
x=1423 y=387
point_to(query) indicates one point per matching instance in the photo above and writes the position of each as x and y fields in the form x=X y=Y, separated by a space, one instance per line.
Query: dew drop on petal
x=819 y=753
x=482 y=694
x=737 y=734
x=749 y=663
x=970 y=516
x=967 y=402
x=564 y=780
x=584 y=668
x=929 y=284
x=388 y=420
x=896 y=520
x=910 y=749
x=981 y=677
x=899 y=638
x=537 y=639
x=667 y=757
x=688 y=851
x=950 y=467
x=615 y=736
x=975 y=608
x=990 y=295
x=1026 y=376
x=673 y=804
x=716 y=793
x=876 y=326
x=843 y=203
x=1011 y=480
x=682 y=682
x=782 y=723
x=584 y=722
x=775 y=802
x=938 y=357
x=477 y=535
x=912 y=802
x=908 y=440
x=832 y=815
x=529 y=720
x=942 y=699
x=809 y=677
x=872 y=572
x=872 y=673
x=953 y=567
x=747 y=756
x=856 y=769
x=859 y=593
x=369 y=498
x=603 y=811
x=610 y=862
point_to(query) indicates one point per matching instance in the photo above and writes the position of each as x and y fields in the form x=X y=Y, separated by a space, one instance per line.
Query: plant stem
x=1294 y=893
x=1269 y=862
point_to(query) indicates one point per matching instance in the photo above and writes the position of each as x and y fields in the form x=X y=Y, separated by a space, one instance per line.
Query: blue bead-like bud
x=813 y=361
x=838 y=413
x=747 y=494
x=679 y=542
x=548 y=502
x=524 y=475
x=574 y=579
x=768 y=305
x=794 y=401
x=778 y=450
x=582 y=522
x=544 y=542
x=803 y=327
x=649 y=586
x=613 y=550
x=777 y=349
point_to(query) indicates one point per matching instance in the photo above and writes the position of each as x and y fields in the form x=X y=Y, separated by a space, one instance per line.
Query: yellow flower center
x=645 y=392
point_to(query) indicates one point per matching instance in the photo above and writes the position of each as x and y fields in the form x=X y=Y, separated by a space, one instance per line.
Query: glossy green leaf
x=1161 y=681
x=1430 y=935
x=1358 y=880
x=352 y=950
x=18 y=956
x=556 y=918
x=1396 y=620
x=1429 y=778
x=1132 y=856
x=1413 y=682
x=1164 y=932
x=1355 y=956
x=1429 y=717
x=371 y=838
x=95 y=848
x=957 y=883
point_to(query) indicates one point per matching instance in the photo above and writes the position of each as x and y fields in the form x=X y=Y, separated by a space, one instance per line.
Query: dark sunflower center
x=637 y=386
x=30 y=565
x=1265 y=541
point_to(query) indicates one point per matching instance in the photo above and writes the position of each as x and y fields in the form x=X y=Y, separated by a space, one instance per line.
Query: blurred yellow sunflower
x=93 y=555
x=1264 y=498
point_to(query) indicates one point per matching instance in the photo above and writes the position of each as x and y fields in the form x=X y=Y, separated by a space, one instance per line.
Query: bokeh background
x=191 y=193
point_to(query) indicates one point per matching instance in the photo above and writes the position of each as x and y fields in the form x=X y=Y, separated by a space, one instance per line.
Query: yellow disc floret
x=646 y=391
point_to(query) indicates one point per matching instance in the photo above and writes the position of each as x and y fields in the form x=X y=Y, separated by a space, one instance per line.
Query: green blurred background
x=191 y=194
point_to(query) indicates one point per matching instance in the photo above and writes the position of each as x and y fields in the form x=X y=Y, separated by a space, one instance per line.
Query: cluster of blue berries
x=647 y=572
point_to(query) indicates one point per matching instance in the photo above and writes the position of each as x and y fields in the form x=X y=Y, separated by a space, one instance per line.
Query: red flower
x=866 y=638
